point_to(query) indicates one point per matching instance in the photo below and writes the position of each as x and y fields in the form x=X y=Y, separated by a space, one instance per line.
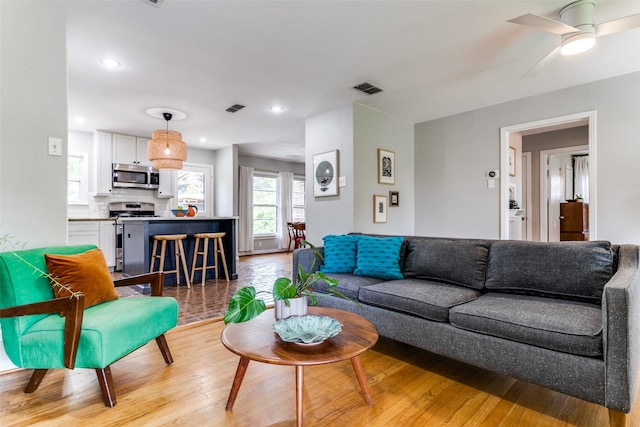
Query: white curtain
x=245 y=210
x=581 y=176
x=285 y=207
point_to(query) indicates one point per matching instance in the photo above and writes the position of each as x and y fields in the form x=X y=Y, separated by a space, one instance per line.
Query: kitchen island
x=137 y=241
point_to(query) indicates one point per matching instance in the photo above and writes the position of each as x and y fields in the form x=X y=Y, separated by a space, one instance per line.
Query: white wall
x=332 y=130
x=34 y=107
x=453 y=154
x=372 y=130
x=226 y=181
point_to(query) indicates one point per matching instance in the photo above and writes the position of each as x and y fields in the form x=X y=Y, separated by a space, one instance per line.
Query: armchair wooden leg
x=618 y=419
x=36 y=379
x=164 y=349
x=106 y=385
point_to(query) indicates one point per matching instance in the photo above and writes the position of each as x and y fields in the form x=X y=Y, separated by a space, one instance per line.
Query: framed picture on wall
x=379 y=209
x=325 y=174
x=386 y=167
x=394 y=198
x=512 y=161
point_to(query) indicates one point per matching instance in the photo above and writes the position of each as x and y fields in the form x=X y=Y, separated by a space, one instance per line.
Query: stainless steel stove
x=119 y=210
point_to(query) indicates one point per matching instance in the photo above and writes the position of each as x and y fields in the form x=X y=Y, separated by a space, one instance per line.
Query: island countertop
x=137 y=241
x=182 y=218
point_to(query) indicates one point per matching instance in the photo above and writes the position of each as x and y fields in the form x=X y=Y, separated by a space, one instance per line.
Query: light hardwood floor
x=409 y=387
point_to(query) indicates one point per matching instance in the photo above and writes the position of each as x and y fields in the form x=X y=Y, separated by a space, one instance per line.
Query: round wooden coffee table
x=255 y=340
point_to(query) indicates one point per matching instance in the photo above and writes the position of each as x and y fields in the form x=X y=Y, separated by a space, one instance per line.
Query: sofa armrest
x=155 y=279
x=304 y=257
x=73 y=308
x=621 y=330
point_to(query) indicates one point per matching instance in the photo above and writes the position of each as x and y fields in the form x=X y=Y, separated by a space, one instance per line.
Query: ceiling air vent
x=367 y=88
x=234 y=108
x=156 y=3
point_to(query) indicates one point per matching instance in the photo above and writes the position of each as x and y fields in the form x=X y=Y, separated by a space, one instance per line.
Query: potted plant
x=245 y=304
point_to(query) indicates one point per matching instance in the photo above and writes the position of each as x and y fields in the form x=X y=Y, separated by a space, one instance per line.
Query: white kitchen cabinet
x=141 y=151
x=103 y=163
x=94 y=232
x=130 y=150
x=108 y=241
x=167 y=188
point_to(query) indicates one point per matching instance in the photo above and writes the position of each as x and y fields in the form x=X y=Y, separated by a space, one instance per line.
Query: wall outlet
x=55 y=146
x=342 y=181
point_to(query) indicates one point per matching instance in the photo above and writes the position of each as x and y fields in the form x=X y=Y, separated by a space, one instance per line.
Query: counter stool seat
x=179 y=254
x=218 y=249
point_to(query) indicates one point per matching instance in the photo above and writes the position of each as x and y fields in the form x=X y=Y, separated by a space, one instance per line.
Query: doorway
x=511 y=136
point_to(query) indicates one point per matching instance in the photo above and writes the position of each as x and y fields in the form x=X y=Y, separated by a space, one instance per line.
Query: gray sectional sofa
x=563 y=315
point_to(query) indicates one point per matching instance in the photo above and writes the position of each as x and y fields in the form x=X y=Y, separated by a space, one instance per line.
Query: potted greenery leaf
x=245 y=304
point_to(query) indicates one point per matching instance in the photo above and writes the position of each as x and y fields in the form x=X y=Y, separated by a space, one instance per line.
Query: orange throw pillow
x=86 y=272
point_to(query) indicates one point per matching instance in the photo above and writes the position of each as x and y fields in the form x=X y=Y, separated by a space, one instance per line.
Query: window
x=77 y=179
x=192 y=187
x=265 y=204
x=298 y=200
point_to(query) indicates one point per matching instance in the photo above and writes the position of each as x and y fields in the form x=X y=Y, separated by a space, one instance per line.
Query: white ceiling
x=432 y=58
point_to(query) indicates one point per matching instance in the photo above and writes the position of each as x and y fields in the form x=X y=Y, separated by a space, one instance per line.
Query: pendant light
x=165 y=148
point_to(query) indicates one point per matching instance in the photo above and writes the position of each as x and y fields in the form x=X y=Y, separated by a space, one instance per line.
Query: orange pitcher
x=192 y=210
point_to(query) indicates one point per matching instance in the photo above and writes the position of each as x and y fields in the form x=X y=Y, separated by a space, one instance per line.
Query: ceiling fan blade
x=617 y=25
x=542 y=23
x=541 y=64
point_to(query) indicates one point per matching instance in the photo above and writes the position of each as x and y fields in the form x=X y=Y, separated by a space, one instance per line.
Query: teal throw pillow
x=379 y=257
x=339 y=253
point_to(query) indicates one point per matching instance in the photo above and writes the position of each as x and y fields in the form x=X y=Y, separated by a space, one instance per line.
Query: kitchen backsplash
x=98 y=207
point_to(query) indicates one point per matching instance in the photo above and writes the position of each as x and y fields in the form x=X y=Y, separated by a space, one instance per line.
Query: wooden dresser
x=574 y=221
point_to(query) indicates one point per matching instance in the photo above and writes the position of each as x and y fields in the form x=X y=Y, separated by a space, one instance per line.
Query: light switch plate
x=55 y=146
x=342 y=181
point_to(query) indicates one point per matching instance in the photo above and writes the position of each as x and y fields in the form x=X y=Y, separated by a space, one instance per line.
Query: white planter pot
x=296 y=307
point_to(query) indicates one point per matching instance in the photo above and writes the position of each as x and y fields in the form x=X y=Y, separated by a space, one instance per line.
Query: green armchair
x=36 y=336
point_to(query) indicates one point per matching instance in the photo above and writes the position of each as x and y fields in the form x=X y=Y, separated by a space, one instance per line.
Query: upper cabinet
x=130 y=150
x=102 y=142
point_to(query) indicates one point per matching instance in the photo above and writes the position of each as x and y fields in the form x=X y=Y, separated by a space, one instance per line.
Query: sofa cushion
x=379 y=257
x=339 y=253
x=423 y=298
x=348 y=284
x=457 y=261
x=557 y=324
x=575 y=270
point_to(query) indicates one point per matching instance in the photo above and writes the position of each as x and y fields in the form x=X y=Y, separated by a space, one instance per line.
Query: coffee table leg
x=237 y=381
x=299 y=386
x=362 y=379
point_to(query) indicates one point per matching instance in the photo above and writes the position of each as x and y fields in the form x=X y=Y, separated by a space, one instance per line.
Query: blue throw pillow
x=339 y=254
x=379 y=257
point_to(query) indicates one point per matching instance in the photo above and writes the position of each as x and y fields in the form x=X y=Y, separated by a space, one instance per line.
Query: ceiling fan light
x=578 y=43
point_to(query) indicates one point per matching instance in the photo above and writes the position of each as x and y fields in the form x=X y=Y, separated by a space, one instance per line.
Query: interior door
x=555 y=197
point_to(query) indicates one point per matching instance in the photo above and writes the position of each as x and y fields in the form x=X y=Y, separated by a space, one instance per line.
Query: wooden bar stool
x=178 y=251
x=218 y=248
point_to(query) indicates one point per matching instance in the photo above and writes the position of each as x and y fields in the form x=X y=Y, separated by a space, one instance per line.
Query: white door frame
x=544 y=185
x=505 y=133
x=526 y=185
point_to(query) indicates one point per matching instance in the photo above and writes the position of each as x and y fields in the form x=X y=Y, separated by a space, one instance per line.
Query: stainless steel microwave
x=135 y=176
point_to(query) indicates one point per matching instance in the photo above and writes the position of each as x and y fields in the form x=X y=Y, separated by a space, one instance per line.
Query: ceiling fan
x=576 y=27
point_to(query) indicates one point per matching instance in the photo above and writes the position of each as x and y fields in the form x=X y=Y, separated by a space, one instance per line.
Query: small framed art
x=394 y=198
x=386 y=167
x=325 y=174
x=379 y=209
x=512 y=161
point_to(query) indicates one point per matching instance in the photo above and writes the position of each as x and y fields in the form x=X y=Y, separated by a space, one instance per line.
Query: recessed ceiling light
x=203 y=140
x=78 y=119
x=277 y=109
x=111 y=63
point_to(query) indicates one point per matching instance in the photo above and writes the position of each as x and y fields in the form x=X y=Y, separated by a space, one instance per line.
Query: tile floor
x=202 y=303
